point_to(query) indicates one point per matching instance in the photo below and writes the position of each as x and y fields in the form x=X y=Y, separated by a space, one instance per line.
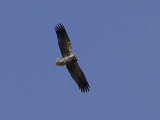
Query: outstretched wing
x=78 y=75
x=63 y=40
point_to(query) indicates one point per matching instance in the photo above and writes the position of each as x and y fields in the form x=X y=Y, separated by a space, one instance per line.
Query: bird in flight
x=69 y=59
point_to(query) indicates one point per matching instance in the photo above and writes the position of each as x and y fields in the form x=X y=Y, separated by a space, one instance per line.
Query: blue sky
x=118 y=43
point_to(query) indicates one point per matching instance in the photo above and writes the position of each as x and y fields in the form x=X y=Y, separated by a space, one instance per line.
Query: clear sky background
x=117 y=41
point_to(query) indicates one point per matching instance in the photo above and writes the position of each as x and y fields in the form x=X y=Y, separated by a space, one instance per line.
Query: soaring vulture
x=69 y=59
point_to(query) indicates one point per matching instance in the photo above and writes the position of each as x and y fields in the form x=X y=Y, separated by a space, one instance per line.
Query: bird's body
x=69 y=59
x=65 y=60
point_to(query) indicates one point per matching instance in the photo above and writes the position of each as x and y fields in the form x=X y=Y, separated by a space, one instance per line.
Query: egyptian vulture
x=69 y=59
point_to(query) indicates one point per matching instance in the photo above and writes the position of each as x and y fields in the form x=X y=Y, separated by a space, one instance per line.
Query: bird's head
x=75 y=59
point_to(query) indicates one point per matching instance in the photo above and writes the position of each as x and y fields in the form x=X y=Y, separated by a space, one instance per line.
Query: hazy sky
x=117 y=41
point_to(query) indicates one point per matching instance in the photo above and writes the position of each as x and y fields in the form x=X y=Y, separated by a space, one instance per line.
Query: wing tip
x=59 y=27
x=84 y=88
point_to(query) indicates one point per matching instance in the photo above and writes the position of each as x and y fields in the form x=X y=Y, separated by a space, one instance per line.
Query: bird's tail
x=59 y=63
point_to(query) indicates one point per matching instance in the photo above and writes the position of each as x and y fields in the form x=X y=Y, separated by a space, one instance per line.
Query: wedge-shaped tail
x=59 y=62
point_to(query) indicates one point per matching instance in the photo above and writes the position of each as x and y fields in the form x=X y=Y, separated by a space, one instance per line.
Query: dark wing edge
x=63 y=40
x=78 y=75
